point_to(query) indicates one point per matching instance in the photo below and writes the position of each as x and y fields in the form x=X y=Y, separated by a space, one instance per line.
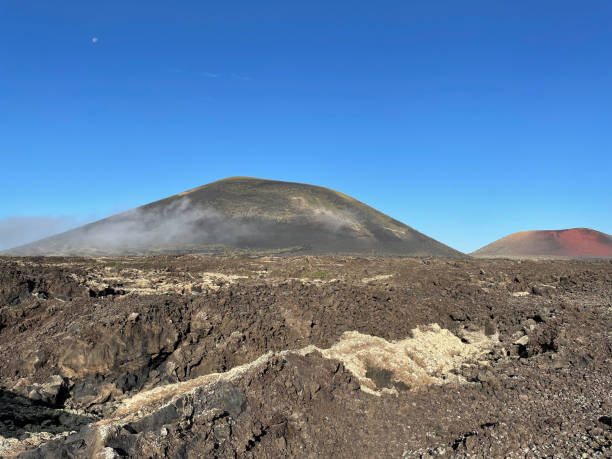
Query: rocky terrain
x=194 y=356
x=246 y=215
x=552 y=244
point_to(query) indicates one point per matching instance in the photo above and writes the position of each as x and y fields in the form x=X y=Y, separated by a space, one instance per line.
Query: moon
x=94 y=40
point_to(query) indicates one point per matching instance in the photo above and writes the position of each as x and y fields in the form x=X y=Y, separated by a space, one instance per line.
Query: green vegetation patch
x=317 y=275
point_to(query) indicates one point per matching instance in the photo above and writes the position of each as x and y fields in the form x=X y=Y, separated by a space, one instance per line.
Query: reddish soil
x=577 y=242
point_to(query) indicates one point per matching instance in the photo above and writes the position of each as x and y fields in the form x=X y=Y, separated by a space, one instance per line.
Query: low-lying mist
x=16 y=231
x=183 y=223
x=180 y=222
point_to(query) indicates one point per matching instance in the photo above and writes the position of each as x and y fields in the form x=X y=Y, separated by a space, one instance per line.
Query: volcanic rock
x=193 y=356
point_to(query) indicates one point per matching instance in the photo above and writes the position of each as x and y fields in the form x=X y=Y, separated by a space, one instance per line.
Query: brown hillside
x=247 y=215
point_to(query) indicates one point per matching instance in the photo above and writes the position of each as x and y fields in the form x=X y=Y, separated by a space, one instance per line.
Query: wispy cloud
x=178 y=224
x=232 y=76
x=237 y=76
x=16 y=231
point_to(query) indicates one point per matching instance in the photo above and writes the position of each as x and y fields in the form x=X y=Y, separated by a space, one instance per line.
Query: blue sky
x=466 y=120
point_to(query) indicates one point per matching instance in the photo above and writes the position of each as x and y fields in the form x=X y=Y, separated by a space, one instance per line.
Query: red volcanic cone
x=576 y=242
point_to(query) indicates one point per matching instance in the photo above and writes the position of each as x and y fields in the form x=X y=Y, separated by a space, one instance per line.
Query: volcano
x=572 y=243
x=247 y=215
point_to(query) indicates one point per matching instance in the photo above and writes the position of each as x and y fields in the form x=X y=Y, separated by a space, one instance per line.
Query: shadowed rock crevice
x=21 y=417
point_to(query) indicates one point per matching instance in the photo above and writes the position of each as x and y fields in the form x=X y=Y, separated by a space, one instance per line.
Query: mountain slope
x=247 y=214
x=575 y=242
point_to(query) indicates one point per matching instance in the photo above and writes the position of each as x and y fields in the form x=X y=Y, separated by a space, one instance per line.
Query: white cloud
x=16 y=231
x=241 y=77
x=94 y=40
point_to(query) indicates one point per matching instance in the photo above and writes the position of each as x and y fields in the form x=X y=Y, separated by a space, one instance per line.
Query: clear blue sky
x=467 y=120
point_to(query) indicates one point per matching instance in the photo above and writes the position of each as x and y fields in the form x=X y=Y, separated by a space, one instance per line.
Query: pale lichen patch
x=428 y=357
x=379 y=277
